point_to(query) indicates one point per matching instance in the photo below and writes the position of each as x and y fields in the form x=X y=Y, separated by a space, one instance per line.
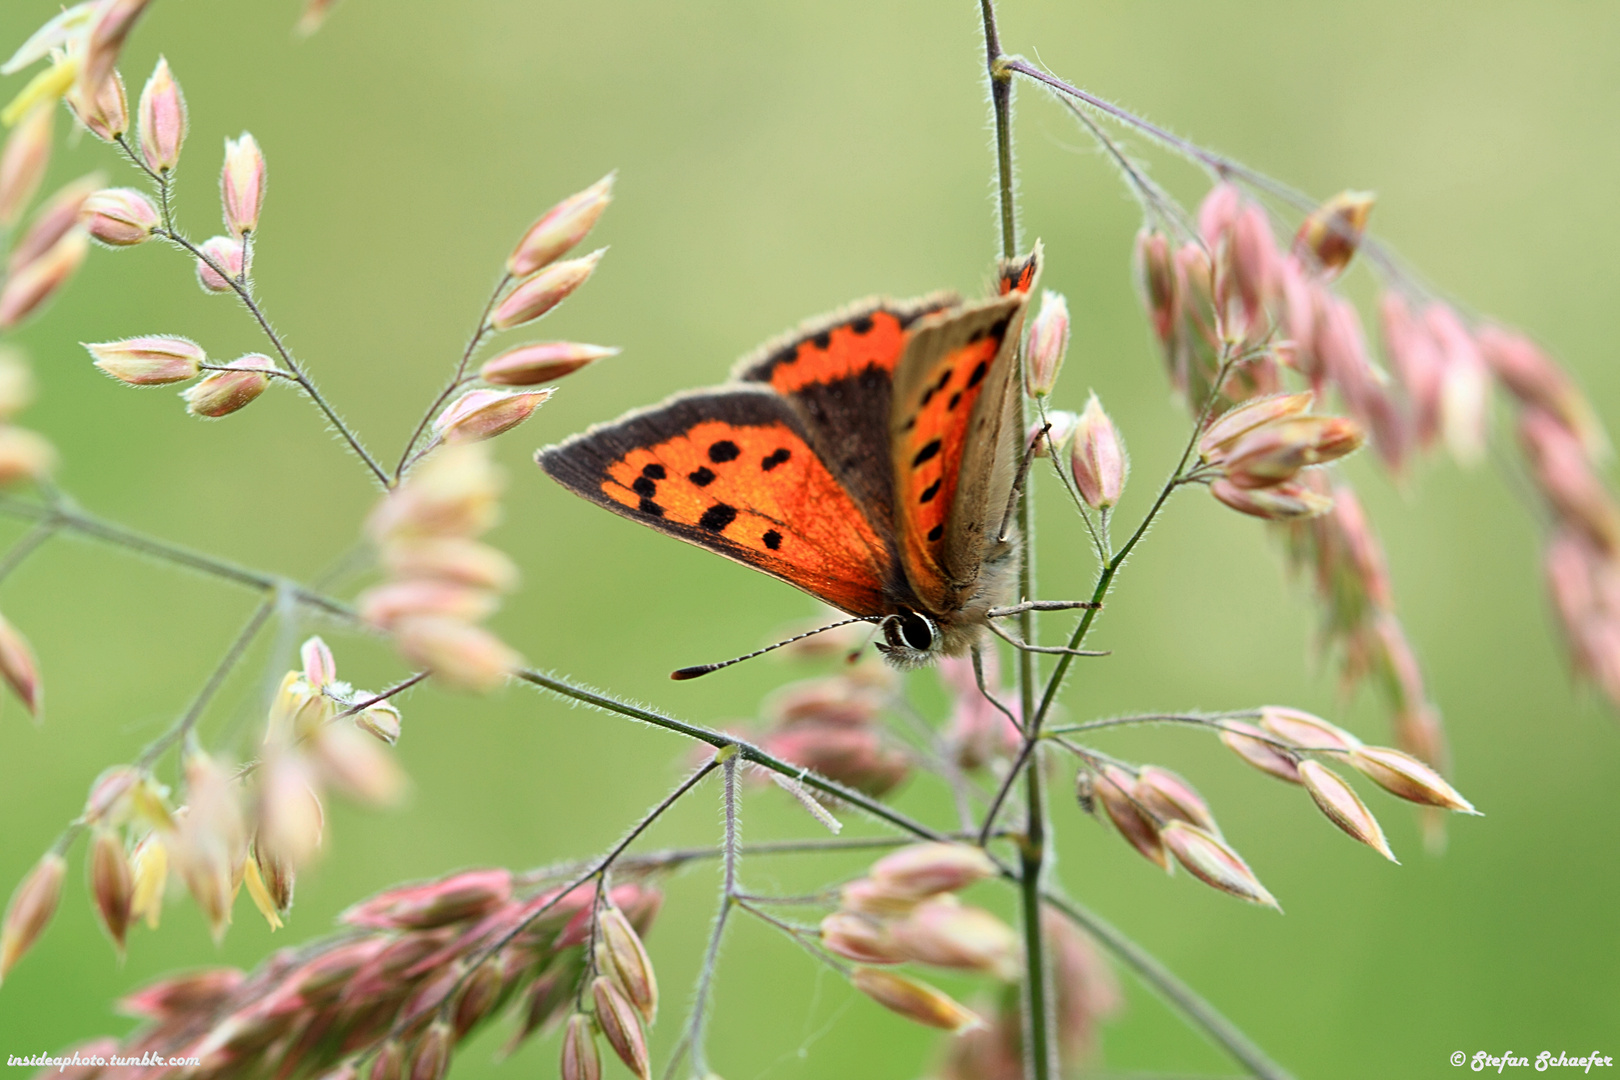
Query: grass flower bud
x=162 y=115
x=278 y=877
x=223 y=392
x=30 y=910
x=627 y=962
x=1048 y=341
x=1343 y=806
x=1097 y=458
x=227 y=253
x=149 y=361
x=1329 y=235
x=581 y=1058
x=1284 y=502
x=23 y=162
x=241 y=185
x=111 y=801
x=544 y=291
x=430 y=1057
x=27 y=290
x=381 y=721
x=1054 y=441
x=120 y=217
x=1255 y=262
x=150 y=864
x=389 y=1064
x=452 y=493
x=1236 y=422
x=1255 y=746
x=1113 y=789
x=319 y=666
x=945 y=934
x=19 y=668
x=1562 y=470
x=560 y=228
x=353 y=763
x=1156 y=272
x=484 y=414
x=211 y=840
x=1535 y=379
x=458 y=898
x=1164 y=793
x=914 y=1000
x=53 y=220
x=868 y=897
x=179 y=995
x=112 y=884
x=105 y=113
x=1211 y=861
x=529 y=365
x=1404 y=776
x=385 y=605
x=621 y=1026
x=106 y=40
x=16 y=383
x=65 y=26
x=921 y=870
x=857 y=756
x=290 y=820
x=1306 y=731
x=1274 y=453
x=858 y=937
x=259 y=893
x=451 y=559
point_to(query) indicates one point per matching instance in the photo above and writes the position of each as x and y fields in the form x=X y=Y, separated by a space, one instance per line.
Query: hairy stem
x=711 y=955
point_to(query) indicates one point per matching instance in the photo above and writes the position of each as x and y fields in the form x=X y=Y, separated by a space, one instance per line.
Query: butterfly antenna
x=704 y=669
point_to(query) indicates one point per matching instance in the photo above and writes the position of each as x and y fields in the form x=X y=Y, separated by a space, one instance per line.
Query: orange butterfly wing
x=734 y=470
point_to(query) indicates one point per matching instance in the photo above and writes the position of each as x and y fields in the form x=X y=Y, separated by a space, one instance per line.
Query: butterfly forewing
x=836 y=373
x=952 y=422
x=733 y=470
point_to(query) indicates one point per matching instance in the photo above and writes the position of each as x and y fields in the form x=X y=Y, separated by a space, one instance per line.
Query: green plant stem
x=68 y=519
x=183 y=728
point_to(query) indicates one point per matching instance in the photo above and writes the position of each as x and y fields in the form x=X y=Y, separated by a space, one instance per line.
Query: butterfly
x=868 y=458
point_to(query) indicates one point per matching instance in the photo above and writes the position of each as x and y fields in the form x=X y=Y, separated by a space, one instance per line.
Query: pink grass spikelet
x=227 y=253
x=1405 y=776
x=19 y=668
x=621 y=1027
x=430 y=1057
x=28 y=289
x=627 y=962
x=451 y=559
x=105 y=41
x=1211 y=861
x=104 y=114
x=923 y=870
x=112 y=884
x=1114 y=788
x=1284 y=502
x=1224 y=431
x=53 y=221
x=1532 y=377
x=161 y=114
x=120 y=217
x=544 y=291
x=241 y=184
x=1097 y=458
x=1342 y=806
x=223 y=392
x=149 y=361
x=23 y=162
x=484 y=414
x=1256 y=746
x=1048 y=342
x=1306 y=731
x=1330 y=234
x=464 y=656
x=560 y=228
x=945 y=934
x=461 y=897
x=859 y=937
x=581 y=1058
x=30 y=910
x=1167 y=795
x=914 y=1000
x=24 y=455
x=530 y=365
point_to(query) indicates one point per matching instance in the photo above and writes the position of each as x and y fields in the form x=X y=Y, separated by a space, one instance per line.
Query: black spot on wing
x=956 y=399
x=936 y=532
x=821 y=340
x=773 y=539
x=927 y=453
x=644 y=487
x=944 y=380
x=930 y=491
x=862 y=325
x=703 y=476
x=717 y=517
x=774 y=458
x=650 y=508
x=653 y=471
x=978 y=374
x=723 y=451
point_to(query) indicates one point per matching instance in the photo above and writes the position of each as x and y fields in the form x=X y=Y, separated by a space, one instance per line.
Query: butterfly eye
x=909 y=630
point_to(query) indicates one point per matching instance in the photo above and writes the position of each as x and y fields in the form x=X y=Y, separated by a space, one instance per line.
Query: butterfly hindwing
x=734 y=470
x=836 y=372
x=953 y=430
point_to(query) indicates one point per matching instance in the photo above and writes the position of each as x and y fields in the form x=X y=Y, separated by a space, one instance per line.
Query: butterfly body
x=867 y=458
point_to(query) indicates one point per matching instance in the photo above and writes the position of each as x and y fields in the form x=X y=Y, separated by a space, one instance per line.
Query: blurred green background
x=777 y=160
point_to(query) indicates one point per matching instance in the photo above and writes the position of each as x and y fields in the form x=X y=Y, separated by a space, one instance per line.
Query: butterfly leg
x=1042 y=605
x=1050 y=649
x=978 y=676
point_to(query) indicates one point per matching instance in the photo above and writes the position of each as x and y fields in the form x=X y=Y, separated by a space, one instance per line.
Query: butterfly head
x=910 y=639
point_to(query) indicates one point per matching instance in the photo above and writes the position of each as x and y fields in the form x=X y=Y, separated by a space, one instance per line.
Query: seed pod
x=430 y=1057
x=926 y=869
x=530 y=365
x=149 y=361
x=627 y=962
x=120 y=217
x=1113 y=789
x=242 y=184
x=463 y=656
x=459 y=898
x=1284 y=502
x=1253 y=745
x=30 y=910
x=221 y=393
x=480 y=993
x=162 y=114
x=1274 y=453
x=1305 y=730
x=581 y=1059
x=104 y=114
x=1172 y=798
x=621 y=1026
x=19 y=668
x=1329 y=236
x=23 y=162
x=1097 y=458
x=451 y=559
x=27 y=290
x=544 y=291
x=1235 y=422
x=150 y=864
x=914 y=1000
x=1405 y=776
x=1211 y=861
x=943 y=933
x=389 y=1064
x=112 y=884
x=484 y=414
x=858 y=937
x=1048 y=341
x=560 y=228
x=227 y=253
x=1343 y=806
